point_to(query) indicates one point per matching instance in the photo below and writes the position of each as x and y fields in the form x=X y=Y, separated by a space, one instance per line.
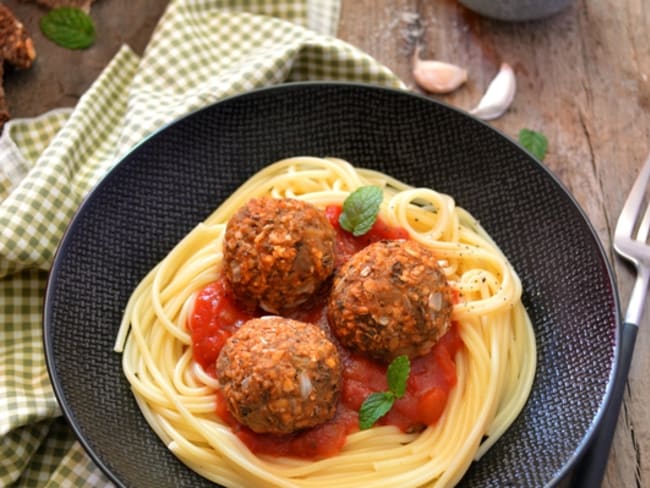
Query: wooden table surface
x=583 y=79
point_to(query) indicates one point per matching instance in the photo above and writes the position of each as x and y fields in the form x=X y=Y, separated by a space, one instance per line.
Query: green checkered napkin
x=201 y=51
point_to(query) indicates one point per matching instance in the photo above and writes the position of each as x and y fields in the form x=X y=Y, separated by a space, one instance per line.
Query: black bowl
x=175 y=178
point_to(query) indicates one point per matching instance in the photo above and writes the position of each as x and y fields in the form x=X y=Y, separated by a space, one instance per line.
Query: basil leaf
x=535 y=142
x=360 y=209
x=69 y=27
x=375 y=406
x=397 y=374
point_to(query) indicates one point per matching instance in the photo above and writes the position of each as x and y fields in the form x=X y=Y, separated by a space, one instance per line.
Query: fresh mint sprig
x=69 y=27
x=360 y=209
x=535 y=142
x=378 y=404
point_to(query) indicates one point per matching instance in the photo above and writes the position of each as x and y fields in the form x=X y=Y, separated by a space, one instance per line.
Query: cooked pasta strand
x=495 y=368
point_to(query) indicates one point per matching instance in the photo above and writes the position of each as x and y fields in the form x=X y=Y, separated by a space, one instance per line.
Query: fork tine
x=625 y=225
x=644 y=227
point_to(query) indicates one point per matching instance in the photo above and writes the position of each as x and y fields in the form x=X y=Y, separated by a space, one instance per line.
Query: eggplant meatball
x=280 y=375
x=277 y=253
x=390 y=298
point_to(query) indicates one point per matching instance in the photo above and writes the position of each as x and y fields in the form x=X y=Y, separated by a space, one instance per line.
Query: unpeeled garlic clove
x=498 y=96
x=437 y=76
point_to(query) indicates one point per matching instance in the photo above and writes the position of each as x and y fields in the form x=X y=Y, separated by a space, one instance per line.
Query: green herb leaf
x=69 y=27
x=397 y=374
x=535 y=142
x=375 y=406
x=360 y=209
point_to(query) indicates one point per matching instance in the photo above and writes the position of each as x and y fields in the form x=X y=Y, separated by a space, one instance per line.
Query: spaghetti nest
x=495 y=367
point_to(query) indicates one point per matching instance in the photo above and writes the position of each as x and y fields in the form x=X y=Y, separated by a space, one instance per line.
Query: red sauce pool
x=347 y=244
x=214 y=319
x=216 y=316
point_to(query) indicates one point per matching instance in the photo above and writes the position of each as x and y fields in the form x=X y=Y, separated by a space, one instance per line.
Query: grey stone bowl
x=516 y=10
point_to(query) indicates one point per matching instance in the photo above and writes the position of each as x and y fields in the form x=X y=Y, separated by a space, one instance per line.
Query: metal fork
x=631 y=245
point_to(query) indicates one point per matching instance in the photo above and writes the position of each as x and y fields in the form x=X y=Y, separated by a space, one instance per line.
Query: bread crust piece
x=16 y=49
x=16 y=46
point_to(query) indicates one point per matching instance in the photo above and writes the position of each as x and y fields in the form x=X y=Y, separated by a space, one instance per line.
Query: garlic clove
x=437 y=76
x=498 y=96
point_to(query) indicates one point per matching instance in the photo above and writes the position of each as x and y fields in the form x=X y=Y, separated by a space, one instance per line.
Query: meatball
x=390 y=298
x=277 y=253
x=280 y=375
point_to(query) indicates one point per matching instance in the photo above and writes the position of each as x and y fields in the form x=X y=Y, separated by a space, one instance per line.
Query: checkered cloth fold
x=200 y=52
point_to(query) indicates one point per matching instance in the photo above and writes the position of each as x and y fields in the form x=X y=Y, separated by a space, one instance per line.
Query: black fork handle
x=591 y=471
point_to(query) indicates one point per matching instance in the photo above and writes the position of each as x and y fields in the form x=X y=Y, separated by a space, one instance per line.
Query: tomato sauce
x=217 y=315
x=214 y=319
x=431 y=379
x=347 y=244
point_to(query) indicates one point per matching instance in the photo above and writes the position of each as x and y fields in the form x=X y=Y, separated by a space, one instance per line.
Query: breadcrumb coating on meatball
x=277 y=253
x=280 y=375
x=390 y=298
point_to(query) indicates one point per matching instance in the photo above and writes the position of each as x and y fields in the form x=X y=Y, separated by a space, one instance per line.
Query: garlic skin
x=498 y=96
x=437 y=76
